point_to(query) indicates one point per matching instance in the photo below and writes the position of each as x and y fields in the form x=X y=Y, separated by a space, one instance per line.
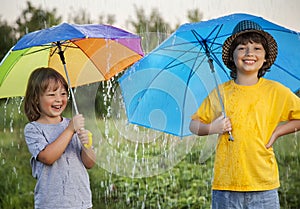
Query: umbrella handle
x=230 y=136
x=229 y=132
x=210 y=62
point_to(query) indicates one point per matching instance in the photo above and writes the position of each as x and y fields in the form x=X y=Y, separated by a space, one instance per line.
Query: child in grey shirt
x=59 y=157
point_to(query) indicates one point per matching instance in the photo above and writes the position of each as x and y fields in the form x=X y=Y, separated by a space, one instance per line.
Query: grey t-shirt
x=64 y=184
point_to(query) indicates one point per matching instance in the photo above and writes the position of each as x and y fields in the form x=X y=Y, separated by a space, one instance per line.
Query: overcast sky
x=283 y=12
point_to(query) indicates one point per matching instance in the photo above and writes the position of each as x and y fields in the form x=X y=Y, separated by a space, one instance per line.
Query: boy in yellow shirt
x=245 y=170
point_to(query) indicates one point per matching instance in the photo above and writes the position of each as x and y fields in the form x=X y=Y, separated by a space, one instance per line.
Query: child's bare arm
x=283 y=129
x=88 y=155
x=220 y=125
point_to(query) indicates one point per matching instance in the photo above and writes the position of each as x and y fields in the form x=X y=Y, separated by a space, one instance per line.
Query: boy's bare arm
x=199 y=128
x=283 y=129
x=220 y=125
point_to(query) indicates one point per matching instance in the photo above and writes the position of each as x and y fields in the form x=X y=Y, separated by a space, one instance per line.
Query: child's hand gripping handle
x=78 y=121
x=229 y=132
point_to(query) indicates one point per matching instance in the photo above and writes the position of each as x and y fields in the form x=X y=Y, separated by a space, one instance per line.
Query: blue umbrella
x=163 y=89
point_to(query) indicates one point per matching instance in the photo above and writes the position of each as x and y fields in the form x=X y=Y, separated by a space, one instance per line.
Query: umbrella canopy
x=91 y=53
x=163 y=89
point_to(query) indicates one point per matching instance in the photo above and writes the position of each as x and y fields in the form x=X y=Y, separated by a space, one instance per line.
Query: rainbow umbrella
x=83 y=54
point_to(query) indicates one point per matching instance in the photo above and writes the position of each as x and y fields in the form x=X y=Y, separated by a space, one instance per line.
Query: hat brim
x=272 y=47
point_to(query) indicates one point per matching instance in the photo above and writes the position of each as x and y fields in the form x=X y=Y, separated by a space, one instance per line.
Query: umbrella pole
x=71 y=91
x=62 y=58
x=211 y=65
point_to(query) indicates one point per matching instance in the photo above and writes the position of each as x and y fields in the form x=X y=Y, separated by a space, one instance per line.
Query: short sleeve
x=294 y=107
x=209 y=109
x=35 y=139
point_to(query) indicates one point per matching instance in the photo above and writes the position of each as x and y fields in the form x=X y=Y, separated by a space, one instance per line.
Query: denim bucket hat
x=247 y=26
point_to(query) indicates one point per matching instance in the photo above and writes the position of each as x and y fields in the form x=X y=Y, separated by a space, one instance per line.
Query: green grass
x=187 y=185
x=16 y=184
x=288 y=157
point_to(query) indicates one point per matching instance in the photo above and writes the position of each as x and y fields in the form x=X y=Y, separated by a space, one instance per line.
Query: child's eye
x=64 y=93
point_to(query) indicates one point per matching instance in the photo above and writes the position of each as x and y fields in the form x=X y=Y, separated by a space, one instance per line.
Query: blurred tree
x=7 y=38
x=153 y=23
x=153 y=28
x=108 y=19
x=80 y=17
x=194 y=15
x=33 y=19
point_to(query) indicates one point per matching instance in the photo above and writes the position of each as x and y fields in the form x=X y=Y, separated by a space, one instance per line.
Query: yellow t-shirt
x=245 y=164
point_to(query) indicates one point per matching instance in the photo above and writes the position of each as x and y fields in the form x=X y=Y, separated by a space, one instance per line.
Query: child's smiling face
x=53 y=102
x=249 y=57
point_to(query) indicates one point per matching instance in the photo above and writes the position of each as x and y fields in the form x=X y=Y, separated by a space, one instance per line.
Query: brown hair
x=37 y=84
x=244 y=39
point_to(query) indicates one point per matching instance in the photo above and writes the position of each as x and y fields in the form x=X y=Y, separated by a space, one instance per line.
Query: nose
x=58 y=98
x=249 y=51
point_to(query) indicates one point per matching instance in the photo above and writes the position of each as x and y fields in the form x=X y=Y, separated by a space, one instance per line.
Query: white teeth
x=56 y=107
x=249 y=61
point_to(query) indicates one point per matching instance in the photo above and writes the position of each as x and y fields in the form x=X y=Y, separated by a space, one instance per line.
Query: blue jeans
x=245 y=200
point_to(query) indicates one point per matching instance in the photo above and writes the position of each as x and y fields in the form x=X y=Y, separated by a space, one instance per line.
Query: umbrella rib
x=203 y=43
x=205 y=40
x=284 y=70
x=177 y=50
x=192 y=72
x=46 y=47
x=37 y=51
x=167 y=48
x=66 y=44
x=212 y=42
x=169 y=65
